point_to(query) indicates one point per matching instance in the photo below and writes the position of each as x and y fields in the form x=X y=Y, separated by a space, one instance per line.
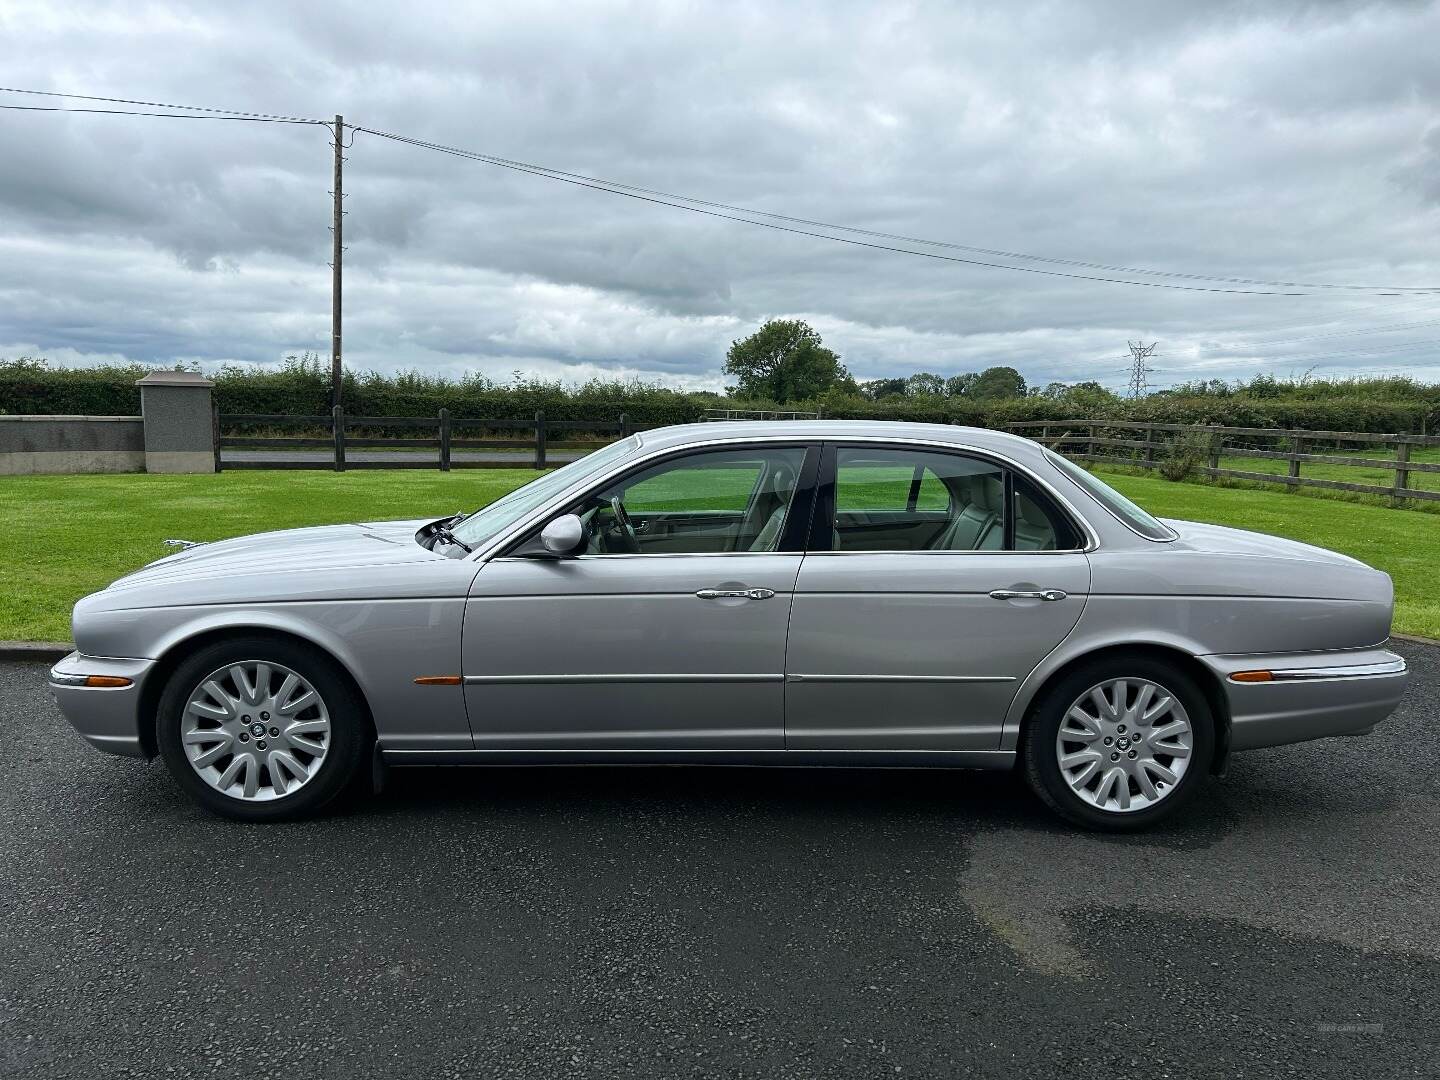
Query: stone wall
x=175 y=433
x=71 y=444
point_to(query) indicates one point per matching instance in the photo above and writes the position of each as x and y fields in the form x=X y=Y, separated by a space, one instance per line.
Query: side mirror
x=562 y=537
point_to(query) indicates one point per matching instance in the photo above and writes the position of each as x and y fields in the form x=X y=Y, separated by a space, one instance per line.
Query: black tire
x=1041 y=765
x=349 y=736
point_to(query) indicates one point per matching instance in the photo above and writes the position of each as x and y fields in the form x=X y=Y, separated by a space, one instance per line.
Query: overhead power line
x=170 y=115
x=1393 y=328
x=154 y=105
x=665 y=200
x=619 y=187
x=765 y=218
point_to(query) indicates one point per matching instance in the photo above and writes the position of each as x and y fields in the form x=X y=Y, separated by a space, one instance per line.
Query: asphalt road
x=666 y=922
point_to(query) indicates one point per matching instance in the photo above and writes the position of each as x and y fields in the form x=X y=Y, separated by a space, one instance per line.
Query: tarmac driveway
x=727 y=922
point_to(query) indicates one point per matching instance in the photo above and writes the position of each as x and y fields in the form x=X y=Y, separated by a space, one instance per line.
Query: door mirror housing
x=562 y=538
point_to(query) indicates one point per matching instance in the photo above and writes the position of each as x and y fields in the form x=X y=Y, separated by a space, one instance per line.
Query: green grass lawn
x=65 y=536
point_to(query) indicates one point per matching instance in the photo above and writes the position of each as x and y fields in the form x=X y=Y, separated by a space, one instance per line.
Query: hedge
x=302 y=387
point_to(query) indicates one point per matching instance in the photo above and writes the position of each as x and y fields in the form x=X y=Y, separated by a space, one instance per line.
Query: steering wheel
x=629 y=542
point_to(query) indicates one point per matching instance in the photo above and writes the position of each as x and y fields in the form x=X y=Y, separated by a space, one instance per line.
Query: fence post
x=624 y=424
x=1402 y=472
x=1296 y=444
x=337 y=421
x=1149 y=447
x=540 y=440
x=444 y=440
x=1215 y=441
x=1090 y=446
x=215 y=433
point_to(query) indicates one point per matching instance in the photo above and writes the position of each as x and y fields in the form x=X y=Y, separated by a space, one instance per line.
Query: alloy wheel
x=1124 y=745
x=255 y=730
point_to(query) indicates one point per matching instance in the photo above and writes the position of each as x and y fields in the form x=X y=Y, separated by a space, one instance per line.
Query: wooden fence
x=449 y=434
x=1147 y=446
x=716 y=415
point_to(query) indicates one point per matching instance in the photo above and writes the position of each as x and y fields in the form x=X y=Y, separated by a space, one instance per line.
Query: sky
x=1294 y=142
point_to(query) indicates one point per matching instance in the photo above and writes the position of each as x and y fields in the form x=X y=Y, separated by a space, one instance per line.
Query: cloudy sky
x=1269 y=141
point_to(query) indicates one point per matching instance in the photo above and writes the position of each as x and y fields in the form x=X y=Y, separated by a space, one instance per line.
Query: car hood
x=1221 y=540
x=325 y=547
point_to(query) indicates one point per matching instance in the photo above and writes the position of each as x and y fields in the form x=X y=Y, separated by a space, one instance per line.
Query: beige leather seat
x=780 y=488
x=978 y=525
x=1033 y=530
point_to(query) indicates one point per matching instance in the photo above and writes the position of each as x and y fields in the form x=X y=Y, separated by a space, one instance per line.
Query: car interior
x=885 y=500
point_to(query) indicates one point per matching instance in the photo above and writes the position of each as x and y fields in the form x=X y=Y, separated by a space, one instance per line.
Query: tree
x=996 y=383
x=924 y=384
x=876 y=389
x=784 y=360
x=961 y=385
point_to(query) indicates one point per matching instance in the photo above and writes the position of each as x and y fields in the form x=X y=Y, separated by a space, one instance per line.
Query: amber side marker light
x=1253 y=676
x=114 y=681
x=438 y=680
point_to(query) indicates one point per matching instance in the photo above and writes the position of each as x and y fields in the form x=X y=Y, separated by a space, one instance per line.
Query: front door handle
x=735 y=594
x=1028 y=594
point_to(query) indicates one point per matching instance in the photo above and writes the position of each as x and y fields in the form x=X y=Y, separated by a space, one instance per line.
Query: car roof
x=979 y=438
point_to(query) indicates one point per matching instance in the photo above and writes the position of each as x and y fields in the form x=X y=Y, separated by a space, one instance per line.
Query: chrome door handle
x=735 y=594
x=1028 y=594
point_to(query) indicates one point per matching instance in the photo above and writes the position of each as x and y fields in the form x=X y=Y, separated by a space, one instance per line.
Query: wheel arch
x=1203 y=677
x=176 y=651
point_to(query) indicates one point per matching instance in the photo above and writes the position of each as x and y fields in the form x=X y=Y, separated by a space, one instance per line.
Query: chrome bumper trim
x=1347 y=671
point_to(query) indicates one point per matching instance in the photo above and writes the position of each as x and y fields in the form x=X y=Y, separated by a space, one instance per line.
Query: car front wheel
x=261 y=729
x=1119 y=744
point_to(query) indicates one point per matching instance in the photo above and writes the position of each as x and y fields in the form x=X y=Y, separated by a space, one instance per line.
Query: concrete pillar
x=179 y=434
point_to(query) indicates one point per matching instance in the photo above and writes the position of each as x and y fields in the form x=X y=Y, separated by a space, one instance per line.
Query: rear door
x=912 y=634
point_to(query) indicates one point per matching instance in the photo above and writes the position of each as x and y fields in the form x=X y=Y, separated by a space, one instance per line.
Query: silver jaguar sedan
x=805 y=593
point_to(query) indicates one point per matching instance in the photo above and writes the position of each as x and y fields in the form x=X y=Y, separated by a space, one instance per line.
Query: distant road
x=522 y=460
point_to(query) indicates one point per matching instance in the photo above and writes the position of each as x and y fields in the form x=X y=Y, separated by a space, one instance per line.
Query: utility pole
x=1139 y=372
x=335 y=262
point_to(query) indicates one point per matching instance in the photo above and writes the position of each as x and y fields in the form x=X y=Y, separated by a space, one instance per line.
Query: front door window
x=715 y=501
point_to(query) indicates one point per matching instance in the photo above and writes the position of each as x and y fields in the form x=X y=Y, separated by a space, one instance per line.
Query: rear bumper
x=1310 y=695
x=108 y=718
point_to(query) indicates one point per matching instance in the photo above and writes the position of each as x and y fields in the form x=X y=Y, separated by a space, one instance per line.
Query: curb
x=36 y=651
x=1416 y=639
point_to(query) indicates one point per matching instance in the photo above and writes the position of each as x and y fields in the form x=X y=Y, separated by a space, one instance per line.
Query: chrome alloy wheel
x=1124 y=744
x=255 y=730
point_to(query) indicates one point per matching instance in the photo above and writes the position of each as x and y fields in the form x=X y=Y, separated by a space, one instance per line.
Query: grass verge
x=65 y=536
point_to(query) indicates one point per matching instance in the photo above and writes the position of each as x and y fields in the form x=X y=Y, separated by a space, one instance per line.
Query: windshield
x=1139 y=520
x=485 y=524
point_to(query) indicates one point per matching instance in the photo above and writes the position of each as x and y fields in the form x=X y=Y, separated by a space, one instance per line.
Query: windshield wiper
x=442 y=531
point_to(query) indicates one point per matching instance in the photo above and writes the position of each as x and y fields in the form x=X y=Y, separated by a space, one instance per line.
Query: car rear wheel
x=261 y=729
x=1119 y=744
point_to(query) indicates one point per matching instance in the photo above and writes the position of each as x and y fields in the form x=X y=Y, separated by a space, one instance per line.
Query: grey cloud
x=1257 y=140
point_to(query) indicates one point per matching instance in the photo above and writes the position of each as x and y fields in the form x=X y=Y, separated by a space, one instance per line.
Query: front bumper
x=108 y=718
x=1310 y=696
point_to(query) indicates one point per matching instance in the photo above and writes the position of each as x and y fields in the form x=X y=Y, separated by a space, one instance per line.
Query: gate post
x=180 y=429
x=337 y=421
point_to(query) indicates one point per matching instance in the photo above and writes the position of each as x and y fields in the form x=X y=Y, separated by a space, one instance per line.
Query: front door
x=906 y=635
x=668 y=633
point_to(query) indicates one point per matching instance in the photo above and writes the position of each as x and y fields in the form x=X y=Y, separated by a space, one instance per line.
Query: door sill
x=893 y=759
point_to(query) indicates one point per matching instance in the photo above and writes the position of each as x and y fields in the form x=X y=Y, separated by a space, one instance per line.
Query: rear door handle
x=735 y=594
x=1028 y=594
